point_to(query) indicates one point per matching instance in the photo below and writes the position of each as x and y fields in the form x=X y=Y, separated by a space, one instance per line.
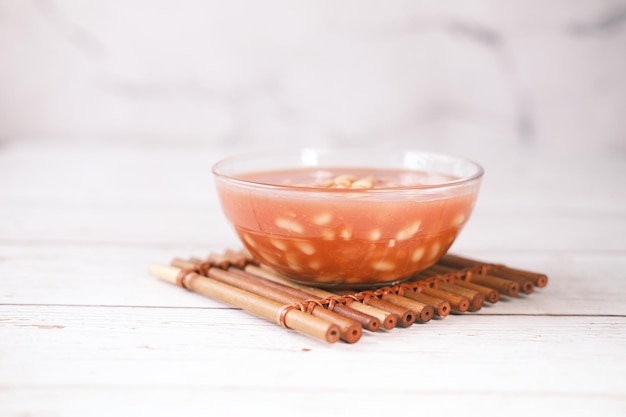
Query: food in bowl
x=347 y=218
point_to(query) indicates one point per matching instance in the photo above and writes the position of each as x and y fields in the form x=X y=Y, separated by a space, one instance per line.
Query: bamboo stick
x=367 y=321
x=387 y=319
x=424 y=311
x=350 y=330
x=457 y=261
x=252 y=303
x=525 y=284
x=503 y=286
x=451 y=274
x=540 y=280
x=475 y=298
x=440 y=307
x=491 y=296
x=236 y=258
x=406 y=316
x=458 y=303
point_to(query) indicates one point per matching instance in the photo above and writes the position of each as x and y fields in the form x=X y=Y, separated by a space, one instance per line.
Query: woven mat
x=454 y=284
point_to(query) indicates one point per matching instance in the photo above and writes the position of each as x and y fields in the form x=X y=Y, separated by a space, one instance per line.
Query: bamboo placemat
x=454 y=284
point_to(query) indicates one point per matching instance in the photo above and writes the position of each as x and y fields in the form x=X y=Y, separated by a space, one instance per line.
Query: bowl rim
x=219 y=174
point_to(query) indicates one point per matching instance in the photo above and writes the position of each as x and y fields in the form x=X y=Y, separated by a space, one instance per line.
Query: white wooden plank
x=543 y=231
x=90 y=347
x=226 y=401
x=105 y=174
x=579 y=283
x=160 y=225
x=79 y=335
x=93 y=275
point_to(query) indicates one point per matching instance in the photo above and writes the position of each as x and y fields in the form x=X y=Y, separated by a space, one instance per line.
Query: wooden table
x=86 y=331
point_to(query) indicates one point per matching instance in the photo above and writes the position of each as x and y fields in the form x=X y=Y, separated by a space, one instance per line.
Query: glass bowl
x=347 y=218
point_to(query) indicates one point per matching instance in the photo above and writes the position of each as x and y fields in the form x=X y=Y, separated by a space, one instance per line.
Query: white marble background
x=239 y=72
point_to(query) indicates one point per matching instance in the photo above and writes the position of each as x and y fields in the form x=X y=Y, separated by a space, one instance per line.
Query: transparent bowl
x=347 y=218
